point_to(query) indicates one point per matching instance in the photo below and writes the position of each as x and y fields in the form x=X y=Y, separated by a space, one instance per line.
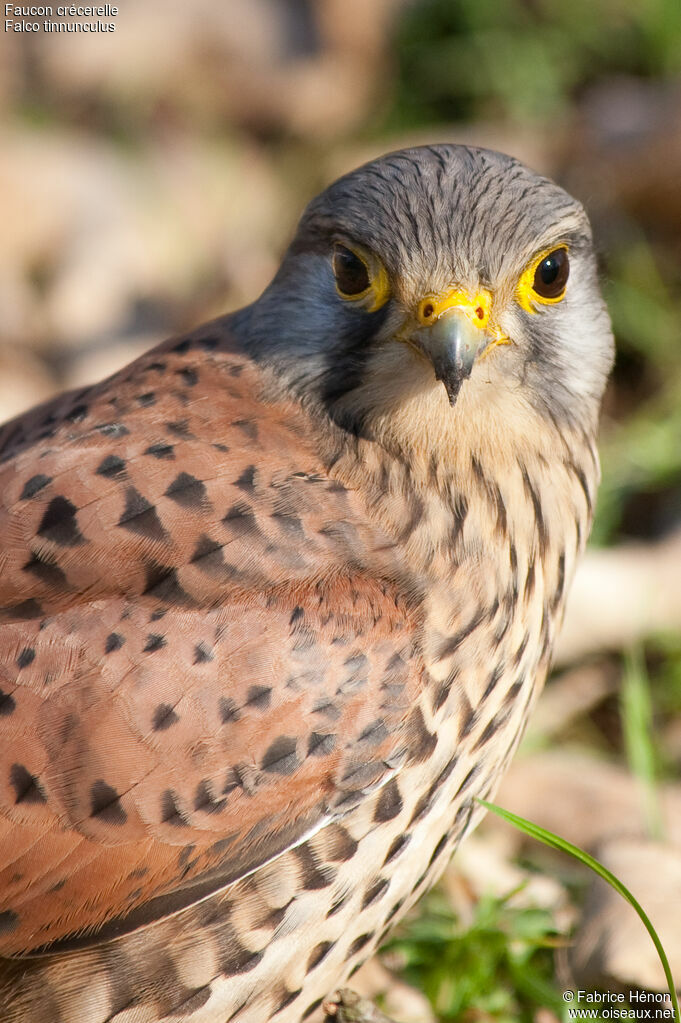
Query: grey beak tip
x=451 y=345
x=452 y=385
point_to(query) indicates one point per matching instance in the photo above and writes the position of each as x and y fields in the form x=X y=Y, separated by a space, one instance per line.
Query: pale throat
x=491 y=482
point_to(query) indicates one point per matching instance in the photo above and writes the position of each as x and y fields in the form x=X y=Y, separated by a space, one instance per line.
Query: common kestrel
x=277 y=598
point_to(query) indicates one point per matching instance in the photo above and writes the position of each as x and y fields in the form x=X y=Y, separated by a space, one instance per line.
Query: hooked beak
x=451 y=345
x=454 y=332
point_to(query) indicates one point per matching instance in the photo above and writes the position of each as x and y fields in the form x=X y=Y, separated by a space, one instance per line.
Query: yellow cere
x=477 y=307
x=526 y=296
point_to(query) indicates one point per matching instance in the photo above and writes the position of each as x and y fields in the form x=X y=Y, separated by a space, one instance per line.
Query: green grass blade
x=637 y=727
x=555 y=842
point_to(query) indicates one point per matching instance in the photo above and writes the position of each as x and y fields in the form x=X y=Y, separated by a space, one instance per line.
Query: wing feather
x=198 y=651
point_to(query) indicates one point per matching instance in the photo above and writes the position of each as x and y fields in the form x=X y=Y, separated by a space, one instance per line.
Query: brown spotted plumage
x=275 y=603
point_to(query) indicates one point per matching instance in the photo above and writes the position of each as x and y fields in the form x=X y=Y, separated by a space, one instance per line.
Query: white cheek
x=585 y=335
x=578 y=332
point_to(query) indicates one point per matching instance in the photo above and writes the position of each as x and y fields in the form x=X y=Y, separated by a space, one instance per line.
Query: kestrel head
x=440 y=278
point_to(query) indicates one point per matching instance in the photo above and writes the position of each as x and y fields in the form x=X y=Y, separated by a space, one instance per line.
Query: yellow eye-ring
x=545 y=279
x=360 y=277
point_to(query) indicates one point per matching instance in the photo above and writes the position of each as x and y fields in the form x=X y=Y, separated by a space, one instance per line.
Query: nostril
x=428 y=310
x=480 y=313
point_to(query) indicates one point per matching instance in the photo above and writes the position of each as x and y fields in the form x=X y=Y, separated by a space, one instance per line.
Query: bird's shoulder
x=202 y=656
x=178 y=463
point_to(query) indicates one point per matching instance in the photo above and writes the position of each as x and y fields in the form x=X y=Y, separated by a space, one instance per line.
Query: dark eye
x=551 y=275
x=352 y=276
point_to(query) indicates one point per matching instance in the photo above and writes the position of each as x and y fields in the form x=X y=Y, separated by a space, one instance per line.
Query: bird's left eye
x=551 y=274
x=544 y=281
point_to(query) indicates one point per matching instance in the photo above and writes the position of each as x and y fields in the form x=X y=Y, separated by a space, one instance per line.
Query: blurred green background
x=150 y=177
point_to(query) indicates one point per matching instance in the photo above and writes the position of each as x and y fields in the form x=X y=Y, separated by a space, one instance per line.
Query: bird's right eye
x=351 y=272
x=360 y=276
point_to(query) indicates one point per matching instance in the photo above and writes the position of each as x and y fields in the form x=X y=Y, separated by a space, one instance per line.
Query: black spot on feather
x=105 y=804
x=34 y=486
x=59 y=523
